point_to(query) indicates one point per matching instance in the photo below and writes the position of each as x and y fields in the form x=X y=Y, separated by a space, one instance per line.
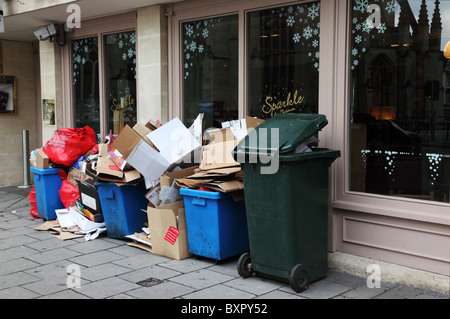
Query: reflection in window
x=400 y=121
x=210 y=70
x=120 y=74
x=284 y=60
x=85 y=83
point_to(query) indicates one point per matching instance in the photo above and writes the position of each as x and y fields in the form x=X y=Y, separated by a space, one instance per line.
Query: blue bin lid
x=46 y=171
x=202 y=194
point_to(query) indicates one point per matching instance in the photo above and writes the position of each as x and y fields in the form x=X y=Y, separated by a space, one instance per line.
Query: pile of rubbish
x=154 y=160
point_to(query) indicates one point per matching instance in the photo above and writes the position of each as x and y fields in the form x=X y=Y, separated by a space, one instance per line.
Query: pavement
x=36 y=265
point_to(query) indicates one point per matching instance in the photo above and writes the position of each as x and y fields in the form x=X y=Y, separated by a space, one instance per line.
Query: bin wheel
x=299 y=278
x=245 y=266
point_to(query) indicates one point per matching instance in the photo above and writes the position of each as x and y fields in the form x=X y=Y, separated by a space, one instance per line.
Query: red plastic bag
x=67 y=145
x=33 y=203
x=68 y=194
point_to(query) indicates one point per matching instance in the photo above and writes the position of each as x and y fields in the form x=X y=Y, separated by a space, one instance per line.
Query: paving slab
x=201 y=278
x=220 y=291
x=165 y=290
x=106 y=288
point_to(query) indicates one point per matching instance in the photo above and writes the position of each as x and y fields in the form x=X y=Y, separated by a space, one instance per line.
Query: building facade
x=375 y=68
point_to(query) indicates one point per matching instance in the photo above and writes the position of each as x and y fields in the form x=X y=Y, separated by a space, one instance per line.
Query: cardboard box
x=42 y=160
x=163 y=223
x=218 y=153
x=140 y=154
x=174 y=141
x=143 y=131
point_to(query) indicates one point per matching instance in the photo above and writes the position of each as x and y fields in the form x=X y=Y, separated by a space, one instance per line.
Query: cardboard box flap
x=219 y=172
x=168 y=215
x=252 y=123
x=126 y=141
x=192 y=183
x=147 y=161
x=107 y=166
x=225 y=186
x=143 y=131
x=174 y=140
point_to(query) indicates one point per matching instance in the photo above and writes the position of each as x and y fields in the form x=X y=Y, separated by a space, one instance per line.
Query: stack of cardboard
x=218 y=169
x=157 y=152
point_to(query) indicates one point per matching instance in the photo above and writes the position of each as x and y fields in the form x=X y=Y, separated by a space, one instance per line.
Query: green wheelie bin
x=286 y=197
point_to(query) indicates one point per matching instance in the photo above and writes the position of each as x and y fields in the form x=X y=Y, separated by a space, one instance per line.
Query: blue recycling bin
x=47 y=184
x=216 y=224
x=122 y=208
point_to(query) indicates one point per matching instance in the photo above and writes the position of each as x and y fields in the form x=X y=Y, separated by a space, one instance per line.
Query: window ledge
x=405 y=212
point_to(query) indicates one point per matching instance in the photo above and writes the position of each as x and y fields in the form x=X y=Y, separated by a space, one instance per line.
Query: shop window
x=283 y=60
x=118 y=93
x=86 y=83
x=120 y=75
x=210 y=70
x=400 y=123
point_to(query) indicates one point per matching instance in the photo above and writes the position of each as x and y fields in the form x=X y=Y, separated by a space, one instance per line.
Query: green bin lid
x=293 y=129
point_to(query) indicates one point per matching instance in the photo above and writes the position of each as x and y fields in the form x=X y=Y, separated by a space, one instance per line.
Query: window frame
x=405 y=208
x=187 y=12
x=94 y=28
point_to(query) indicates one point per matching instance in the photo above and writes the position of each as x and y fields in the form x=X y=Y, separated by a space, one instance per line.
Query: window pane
x=400 y=142
x=120 y=79
x=210 y=67
x=284 y=60
x=85 y=83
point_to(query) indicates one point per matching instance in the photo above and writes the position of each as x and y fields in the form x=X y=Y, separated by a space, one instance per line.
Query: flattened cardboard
x=140 y=240
x=225 y=186
x=192 y=183
x=220 y=172
x=153 y=195
x=106 y=166
x=75 y=175
x=159 y=221
x=168 y=178
x=218 y=153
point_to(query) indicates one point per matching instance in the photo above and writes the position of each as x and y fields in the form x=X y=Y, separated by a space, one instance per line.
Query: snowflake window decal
x=365 y=30
x=82 y=48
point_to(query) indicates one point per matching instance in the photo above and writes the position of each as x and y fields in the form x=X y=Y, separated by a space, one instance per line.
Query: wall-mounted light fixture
x=447 y=50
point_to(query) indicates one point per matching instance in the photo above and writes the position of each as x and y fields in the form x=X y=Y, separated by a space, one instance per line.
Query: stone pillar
x=51 y=87
x=151 y=51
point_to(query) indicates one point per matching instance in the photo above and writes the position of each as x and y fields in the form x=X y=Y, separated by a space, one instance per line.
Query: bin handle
x=109 y=194
x=199 y=201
